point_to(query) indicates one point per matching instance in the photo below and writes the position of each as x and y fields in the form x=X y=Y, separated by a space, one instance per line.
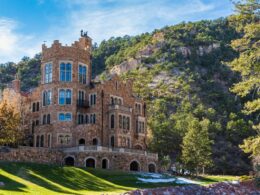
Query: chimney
x=16 y=84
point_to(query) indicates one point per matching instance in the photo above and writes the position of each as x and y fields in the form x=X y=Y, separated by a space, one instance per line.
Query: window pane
x=62 y=72
x=62 y=97
x=68 y=117
x=68 y=96
x=61 y=117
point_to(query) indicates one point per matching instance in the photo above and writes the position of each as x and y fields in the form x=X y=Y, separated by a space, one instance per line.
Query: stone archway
x=151 y=168
x=104 y=163
x=69 y=161
x=134 y=166
x=91 y=162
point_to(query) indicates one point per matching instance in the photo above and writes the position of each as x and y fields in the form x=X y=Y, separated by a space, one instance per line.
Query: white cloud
x=125 y=17
x=14 y=45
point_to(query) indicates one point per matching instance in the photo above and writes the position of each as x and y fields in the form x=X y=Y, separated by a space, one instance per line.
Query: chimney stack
x=16 y=84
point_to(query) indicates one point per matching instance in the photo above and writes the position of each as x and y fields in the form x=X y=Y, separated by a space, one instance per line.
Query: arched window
x=112 y=121
x=62 y=97
x=119 y=101
x=49 y=140
x=48 y=119
x=68 y=96
x=48 y=73
x=82 y=142
x=65 y=72
x=112 y=101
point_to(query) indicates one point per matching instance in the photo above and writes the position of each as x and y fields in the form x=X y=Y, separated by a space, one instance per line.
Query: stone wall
x=116 y=160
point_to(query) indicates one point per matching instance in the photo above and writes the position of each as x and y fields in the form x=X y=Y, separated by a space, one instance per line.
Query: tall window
x=65 y=72
x=48 y=73
x=81 y=98
x=92 y=118
x=124 y=122
x=48 y=119
x=46 y=100
x=112 y=121
x=64 y=96
x=92 y=100
x=82 y=74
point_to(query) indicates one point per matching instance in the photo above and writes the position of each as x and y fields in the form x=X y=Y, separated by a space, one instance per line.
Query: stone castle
x=85 y=123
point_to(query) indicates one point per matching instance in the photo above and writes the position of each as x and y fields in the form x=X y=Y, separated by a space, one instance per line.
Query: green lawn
x=28 y=178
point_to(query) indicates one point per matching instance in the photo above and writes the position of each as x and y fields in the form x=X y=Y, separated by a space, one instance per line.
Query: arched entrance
x=151 y=168
x=134 y=166
x=90 y=162
x=82 y=142
x=69 y=161
x=104 y=164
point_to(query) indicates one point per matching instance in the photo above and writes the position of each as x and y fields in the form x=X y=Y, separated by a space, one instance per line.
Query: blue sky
x=26 y=24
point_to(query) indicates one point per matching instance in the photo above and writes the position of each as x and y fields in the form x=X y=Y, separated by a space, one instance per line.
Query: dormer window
x=48 y=73
x=82 y=74
x=65 y=72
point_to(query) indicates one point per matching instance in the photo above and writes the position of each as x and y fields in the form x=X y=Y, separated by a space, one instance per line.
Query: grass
x=29 y=178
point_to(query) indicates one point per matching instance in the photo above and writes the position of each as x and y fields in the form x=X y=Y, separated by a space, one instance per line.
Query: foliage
x=10 y=131
x=196 y=147
x=248 y=65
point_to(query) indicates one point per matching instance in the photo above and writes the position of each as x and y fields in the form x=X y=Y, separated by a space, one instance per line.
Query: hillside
x=27 y=178
x=182 y=73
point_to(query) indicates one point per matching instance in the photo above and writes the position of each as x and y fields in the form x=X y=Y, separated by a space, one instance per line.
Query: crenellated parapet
x=79 y=50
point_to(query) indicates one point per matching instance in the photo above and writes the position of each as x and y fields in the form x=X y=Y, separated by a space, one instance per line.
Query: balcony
x=82 y=104
x=120 y=107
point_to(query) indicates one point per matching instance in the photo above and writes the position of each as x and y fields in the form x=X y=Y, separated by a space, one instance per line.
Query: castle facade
x=93 y=124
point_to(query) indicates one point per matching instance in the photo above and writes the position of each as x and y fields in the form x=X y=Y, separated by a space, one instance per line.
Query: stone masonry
x=96 y=124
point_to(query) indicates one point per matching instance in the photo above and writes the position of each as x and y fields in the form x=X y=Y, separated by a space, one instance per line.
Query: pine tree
x=248 y=65
x=196 y=147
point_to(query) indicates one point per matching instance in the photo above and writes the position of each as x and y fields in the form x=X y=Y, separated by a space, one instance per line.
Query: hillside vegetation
x=184 y=74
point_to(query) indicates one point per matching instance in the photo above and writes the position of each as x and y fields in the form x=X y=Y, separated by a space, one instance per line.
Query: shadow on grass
x=56 y=178
x=11 y=185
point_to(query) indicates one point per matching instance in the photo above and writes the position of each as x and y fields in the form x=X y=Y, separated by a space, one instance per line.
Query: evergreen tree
x=196 y=147
x=248 y=65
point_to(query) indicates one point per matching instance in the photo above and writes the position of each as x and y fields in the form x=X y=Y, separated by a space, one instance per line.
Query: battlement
x=78 y=49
